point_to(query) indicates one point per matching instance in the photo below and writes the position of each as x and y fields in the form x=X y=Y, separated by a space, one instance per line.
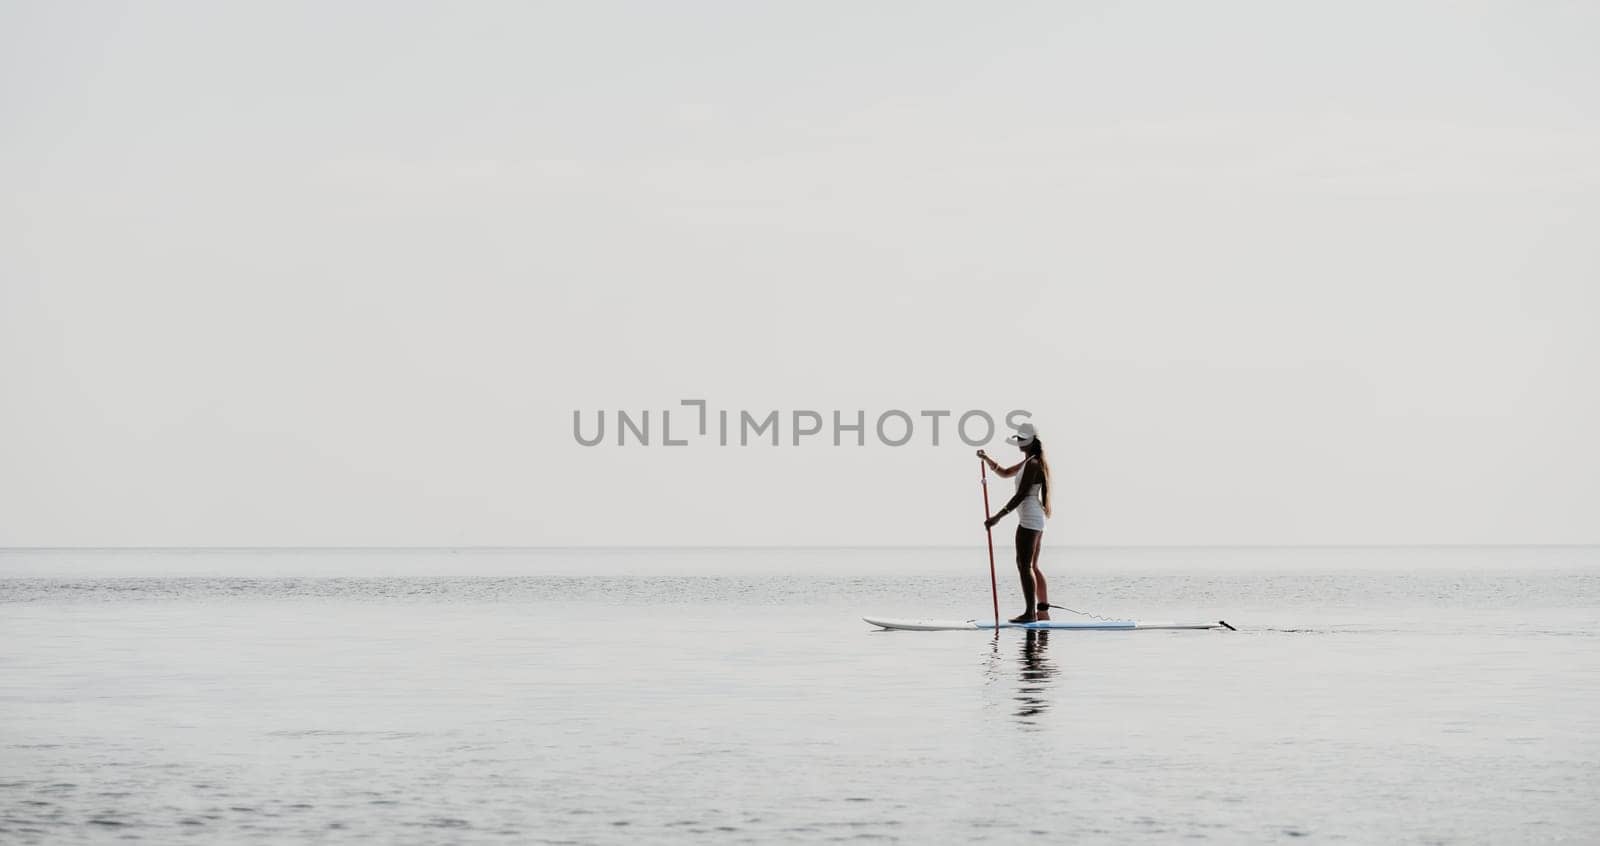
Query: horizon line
x=759 y=547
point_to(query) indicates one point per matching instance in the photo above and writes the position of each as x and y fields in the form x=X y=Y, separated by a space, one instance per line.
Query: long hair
x=1036 y=450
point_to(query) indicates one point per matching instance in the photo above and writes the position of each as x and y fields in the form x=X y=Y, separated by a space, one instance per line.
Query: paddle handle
x=994 y=586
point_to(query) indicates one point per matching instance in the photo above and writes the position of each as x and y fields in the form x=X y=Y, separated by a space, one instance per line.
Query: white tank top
x=1030 y=512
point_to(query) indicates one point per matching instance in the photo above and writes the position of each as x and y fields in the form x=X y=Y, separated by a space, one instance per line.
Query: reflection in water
x=1033 y=692
x=992 y=663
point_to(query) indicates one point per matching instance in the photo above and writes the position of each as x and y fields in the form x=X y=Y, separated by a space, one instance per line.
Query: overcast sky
x=340 y=273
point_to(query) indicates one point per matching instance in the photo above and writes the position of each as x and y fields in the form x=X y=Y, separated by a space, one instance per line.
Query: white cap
x=1024 y=436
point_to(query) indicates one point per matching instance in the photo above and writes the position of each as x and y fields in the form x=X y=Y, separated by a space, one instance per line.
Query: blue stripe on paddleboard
x=1062 y=624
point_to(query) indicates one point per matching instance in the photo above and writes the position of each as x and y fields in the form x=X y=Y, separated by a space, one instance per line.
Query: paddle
x=994 y=587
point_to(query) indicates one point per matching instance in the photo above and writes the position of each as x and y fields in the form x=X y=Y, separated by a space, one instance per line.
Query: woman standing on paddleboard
x=1032 y=504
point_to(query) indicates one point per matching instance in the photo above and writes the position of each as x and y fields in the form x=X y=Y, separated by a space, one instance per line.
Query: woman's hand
x=989 y=523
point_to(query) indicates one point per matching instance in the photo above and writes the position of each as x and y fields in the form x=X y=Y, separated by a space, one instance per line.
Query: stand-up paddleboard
x=986 y=625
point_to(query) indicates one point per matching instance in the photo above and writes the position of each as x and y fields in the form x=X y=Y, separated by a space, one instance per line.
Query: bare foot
x=1025 y=618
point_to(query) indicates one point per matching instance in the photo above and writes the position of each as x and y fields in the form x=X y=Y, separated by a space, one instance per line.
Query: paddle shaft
x=994 y=586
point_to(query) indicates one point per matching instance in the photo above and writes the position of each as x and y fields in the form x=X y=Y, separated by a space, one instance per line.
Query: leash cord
x=1086 y=614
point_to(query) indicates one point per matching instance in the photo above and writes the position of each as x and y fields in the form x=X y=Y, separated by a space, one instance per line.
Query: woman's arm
x=1031 y=475
x=1002 y=472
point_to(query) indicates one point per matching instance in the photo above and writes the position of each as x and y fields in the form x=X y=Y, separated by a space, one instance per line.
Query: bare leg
x=1027 y=547
x=1040 y=589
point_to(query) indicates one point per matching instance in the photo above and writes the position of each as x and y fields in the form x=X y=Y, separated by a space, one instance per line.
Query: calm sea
x=722 y=696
